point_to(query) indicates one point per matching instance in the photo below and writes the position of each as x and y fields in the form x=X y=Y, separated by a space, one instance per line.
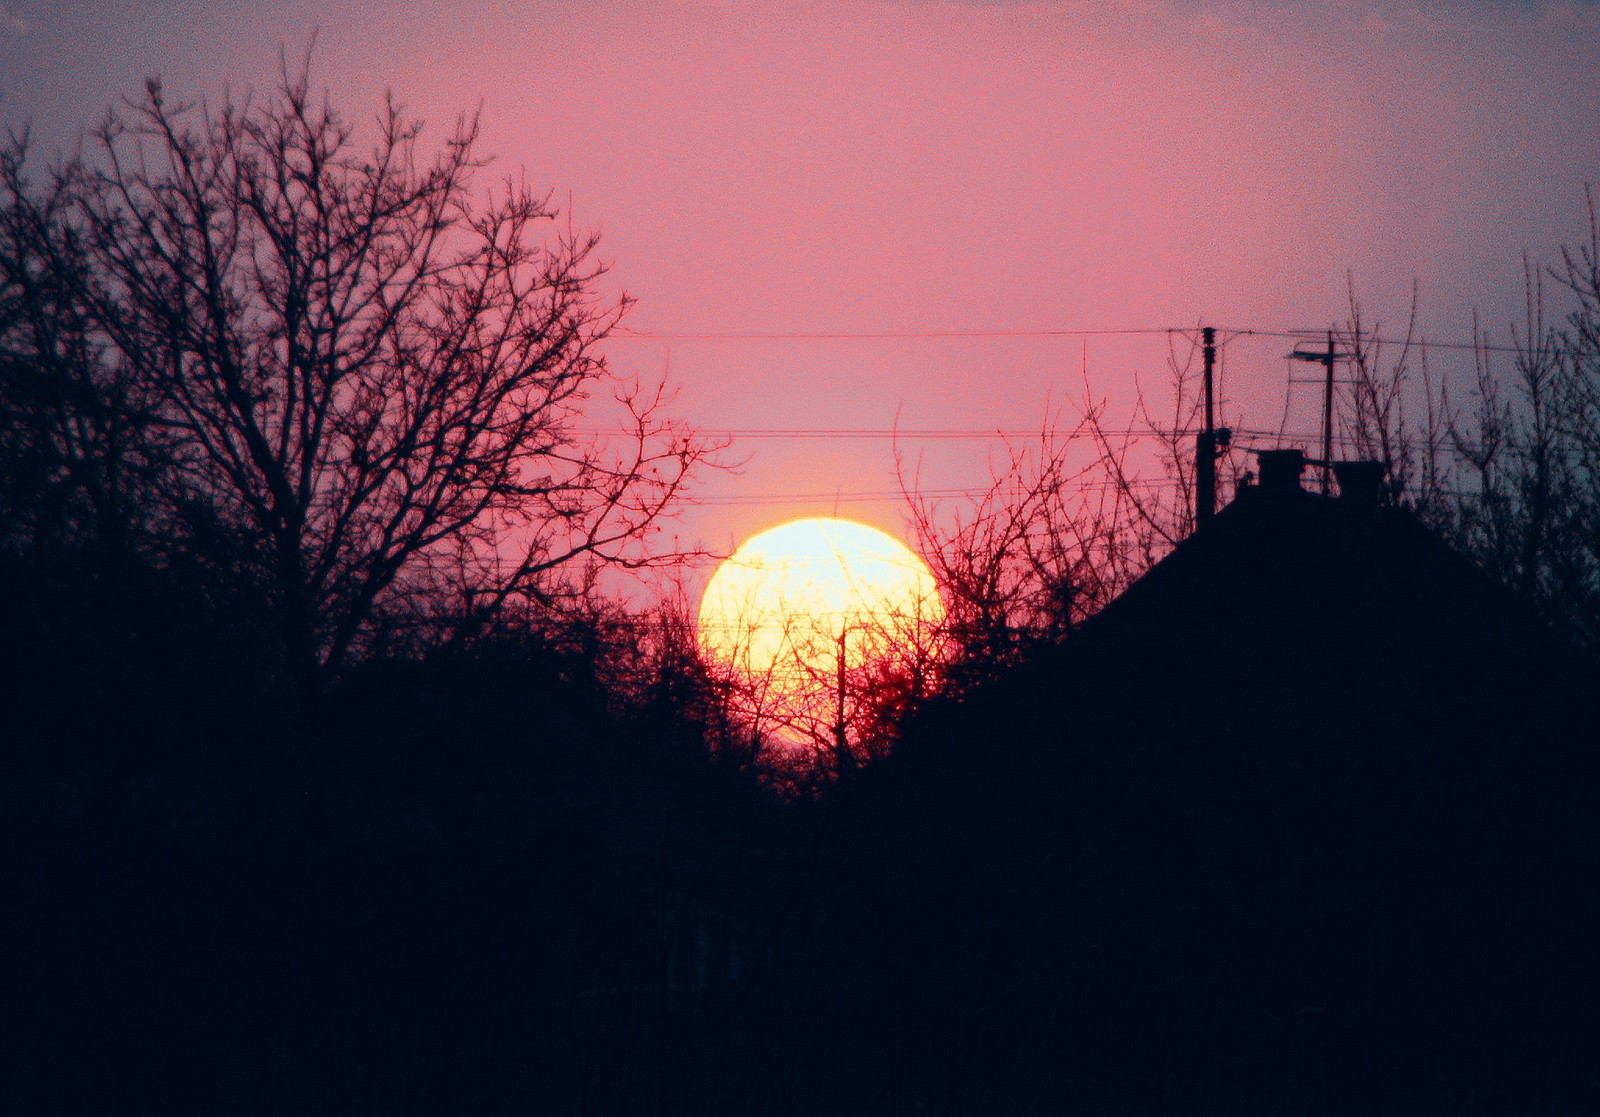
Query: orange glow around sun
x=803 y=617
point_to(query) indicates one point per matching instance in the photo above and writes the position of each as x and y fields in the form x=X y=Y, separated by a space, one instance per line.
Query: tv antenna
x=1326 y=359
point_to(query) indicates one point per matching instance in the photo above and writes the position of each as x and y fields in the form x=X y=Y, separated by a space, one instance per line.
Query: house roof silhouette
x=1335 y=611
x=1305 y=821
x=1313 y=775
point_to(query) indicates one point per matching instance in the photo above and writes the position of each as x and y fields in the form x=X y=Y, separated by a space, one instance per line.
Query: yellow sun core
x=800 y=606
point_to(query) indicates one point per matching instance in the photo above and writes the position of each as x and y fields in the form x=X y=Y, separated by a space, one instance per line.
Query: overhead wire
x=1230 y=334
x=881 y=335
x=1002 y=434
x=911 y=434
x=860 y=496
x=627 y=333
x=1414 y=343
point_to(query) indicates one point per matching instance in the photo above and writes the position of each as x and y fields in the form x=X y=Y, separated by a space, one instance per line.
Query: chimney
x=1360 y=483
x=1280 y=470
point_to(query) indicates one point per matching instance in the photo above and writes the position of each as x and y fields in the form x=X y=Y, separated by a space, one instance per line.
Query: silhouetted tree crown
x=337 y=371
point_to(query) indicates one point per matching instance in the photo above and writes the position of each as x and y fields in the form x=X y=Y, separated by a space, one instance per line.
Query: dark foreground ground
x=469 y=888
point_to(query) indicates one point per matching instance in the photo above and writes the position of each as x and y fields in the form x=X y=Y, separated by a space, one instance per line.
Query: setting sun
x=801 y=613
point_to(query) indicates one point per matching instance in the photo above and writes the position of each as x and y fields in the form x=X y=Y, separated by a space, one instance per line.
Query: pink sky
x=920 y=166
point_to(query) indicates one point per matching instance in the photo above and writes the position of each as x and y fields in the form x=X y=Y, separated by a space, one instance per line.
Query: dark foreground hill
x=1303 y=823
x=453 y=889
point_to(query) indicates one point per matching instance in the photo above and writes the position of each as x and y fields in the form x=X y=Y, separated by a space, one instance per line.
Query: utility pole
x=1205 y=443
x=841 y=744
x=1325 y=359
x=1327 y=415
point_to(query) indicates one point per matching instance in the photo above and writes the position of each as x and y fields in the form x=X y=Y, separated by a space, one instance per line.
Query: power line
x=1275 y=436
x=880 y=335
x=626 y=333
x=921 y=434
x=863 y=496
x=912 y=434
x=1414 y=343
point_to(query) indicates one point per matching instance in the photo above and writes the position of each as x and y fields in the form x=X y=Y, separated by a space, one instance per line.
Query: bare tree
x=1373 y=403
x=1155 y=512
x=77 y=431
x=1513 y=475
x=1578 y=428
x=803 y=695
x=365 y=368
x=1016 y=564
x=1063 y=526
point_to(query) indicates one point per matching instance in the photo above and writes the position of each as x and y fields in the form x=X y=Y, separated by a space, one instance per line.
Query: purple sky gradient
x=892 y=167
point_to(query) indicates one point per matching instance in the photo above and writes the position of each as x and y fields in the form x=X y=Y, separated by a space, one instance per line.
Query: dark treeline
x=1315 y=838
x=320 y=796
x=426 y=899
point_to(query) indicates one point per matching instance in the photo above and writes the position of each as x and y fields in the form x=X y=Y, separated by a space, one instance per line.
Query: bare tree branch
x=365 y=368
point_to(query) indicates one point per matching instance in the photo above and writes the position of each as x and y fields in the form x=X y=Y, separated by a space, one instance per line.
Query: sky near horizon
x=930 y=166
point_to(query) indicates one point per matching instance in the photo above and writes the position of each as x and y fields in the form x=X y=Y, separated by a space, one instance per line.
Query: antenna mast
x=1326 y=360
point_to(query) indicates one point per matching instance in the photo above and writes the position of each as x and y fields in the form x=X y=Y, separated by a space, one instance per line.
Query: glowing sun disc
x=783 y=606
